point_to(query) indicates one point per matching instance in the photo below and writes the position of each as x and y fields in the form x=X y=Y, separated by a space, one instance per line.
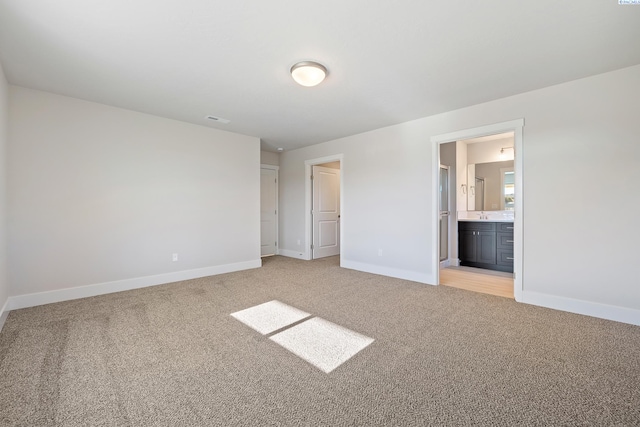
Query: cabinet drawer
x=505 y=227
x=476 y=226
x=505 y=241
x=505 y=256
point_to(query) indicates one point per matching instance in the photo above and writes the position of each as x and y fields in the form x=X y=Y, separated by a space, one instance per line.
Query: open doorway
x=451 y=199
x=485 y=221
x=324 y=224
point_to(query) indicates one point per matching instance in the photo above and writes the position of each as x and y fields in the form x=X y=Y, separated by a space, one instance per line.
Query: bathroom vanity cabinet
x=485 y=244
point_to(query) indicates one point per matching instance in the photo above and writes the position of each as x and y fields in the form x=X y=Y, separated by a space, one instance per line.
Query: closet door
x=268 y=211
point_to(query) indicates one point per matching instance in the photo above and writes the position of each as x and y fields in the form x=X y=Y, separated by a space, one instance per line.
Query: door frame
x=308 y=203
x=514 y=126
x=277 y=171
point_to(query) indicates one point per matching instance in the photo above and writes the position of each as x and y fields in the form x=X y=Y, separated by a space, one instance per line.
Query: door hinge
x=275 y=212
x=312 y=177
x=312 y=246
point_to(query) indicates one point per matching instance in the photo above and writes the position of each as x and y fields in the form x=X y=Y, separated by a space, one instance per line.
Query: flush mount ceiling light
x=308 y=73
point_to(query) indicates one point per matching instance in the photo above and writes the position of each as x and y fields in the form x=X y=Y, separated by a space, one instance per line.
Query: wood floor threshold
x=477 y=282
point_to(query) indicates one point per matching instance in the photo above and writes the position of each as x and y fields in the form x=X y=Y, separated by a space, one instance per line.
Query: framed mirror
x=491 y=186
x=487 y=164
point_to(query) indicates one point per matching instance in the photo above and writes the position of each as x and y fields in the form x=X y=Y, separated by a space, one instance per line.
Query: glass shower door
x=444 y=212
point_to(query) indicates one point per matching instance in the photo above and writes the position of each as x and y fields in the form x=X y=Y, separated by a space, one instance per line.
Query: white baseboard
x=588 y=308
x=4 y=312
x=40 y=298
x=292 y=254
x=390 y=272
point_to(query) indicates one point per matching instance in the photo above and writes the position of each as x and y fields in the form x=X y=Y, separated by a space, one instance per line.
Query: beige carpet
x=172 y=355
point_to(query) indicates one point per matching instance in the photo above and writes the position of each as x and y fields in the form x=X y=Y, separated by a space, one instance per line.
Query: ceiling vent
x=217 y=119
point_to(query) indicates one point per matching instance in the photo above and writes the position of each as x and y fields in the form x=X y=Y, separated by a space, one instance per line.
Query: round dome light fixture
x=308 y=73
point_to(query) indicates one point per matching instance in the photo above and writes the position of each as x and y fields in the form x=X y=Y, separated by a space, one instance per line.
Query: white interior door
x=326 y=212
x=268 y=211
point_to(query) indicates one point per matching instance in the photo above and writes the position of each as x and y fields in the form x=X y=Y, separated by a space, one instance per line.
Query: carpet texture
x=172 y=355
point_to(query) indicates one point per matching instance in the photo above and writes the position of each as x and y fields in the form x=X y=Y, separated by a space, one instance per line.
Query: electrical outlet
x=175 y=257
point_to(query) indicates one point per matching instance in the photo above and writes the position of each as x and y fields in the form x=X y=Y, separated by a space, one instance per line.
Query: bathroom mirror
x=490 y=186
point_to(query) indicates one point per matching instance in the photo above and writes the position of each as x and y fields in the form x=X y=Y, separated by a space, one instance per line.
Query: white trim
x=292 y=254
x=277 y=170
x=478 y=132
x=518 y=220
x=265 y=166
x=587 y=308
x=514 y=126
x=389 y=272
x=308 y=230
x=446 y=263
x=4 y=313
x=40 y=298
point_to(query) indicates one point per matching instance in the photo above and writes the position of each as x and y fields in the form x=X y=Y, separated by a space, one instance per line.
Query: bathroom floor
x=478 y=280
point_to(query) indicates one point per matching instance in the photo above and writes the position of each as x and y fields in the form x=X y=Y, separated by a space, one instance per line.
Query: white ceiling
x=388 y=62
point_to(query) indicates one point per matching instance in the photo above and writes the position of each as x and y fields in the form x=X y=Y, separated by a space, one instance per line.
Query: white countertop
x=486 y=220
x=485 y=216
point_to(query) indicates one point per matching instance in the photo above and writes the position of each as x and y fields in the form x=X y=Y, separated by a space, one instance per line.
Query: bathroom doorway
x=485 y=252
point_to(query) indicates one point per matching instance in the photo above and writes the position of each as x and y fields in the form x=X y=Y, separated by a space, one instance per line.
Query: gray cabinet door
x=467 y=250
x=486 y=247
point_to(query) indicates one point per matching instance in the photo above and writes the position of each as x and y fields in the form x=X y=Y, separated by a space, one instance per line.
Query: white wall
x=4 y=119
x=99 y=194
x=462 y=177
x=581 y=166
x=378 y=177
x=269 y=158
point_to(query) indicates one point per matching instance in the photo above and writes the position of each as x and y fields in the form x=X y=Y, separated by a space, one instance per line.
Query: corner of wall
x=4 y=136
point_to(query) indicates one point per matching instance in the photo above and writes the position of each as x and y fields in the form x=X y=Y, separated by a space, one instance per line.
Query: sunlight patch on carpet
x=270 y=316
x=322 y=343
